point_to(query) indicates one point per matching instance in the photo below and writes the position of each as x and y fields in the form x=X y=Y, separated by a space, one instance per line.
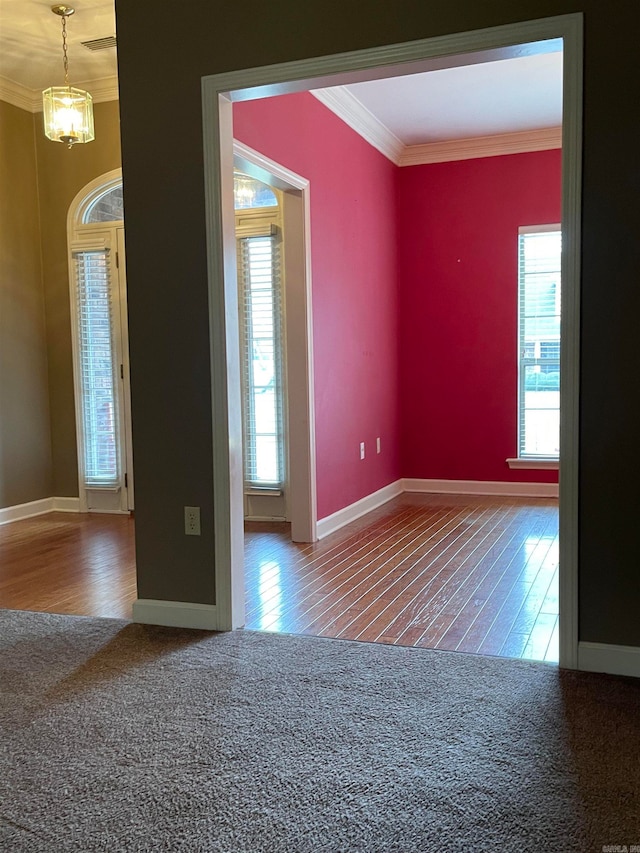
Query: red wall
x=355 y=293
x=415 y=274
x=458 y=264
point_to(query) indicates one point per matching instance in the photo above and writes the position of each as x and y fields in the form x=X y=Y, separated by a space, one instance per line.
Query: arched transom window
x=251 y=193
x=107 y=207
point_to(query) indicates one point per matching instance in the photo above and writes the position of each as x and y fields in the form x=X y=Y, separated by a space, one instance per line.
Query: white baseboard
x=617 y=660
x=338 y=519
x=66 y=504
x=40 y=507
x=332 y=523
x=479 y=487
x=175 y=614
x=28 y=510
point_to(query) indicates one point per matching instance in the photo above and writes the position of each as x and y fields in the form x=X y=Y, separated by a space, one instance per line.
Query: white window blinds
x=260 y=301
x=539 y=342
x=96 y=362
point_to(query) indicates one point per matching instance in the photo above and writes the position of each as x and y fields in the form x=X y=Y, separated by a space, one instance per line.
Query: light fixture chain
x=65 y=59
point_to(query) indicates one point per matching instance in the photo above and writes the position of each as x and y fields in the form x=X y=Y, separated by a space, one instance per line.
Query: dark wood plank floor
x=466 y=574
x=72 y=563
x=470 y=574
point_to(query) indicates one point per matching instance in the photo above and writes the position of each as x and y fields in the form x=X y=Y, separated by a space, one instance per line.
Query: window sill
x=97 y=487
x=542 y=464
x=263 y=492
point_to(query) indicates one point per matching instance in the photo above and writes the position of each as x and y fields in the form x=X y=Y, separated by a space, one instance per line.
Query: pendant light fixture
x=68 y=112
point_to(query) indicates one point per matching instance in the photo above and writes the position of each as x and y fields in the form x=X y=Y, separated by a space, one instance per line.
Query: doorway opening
x=297 y=502
x=219 y=93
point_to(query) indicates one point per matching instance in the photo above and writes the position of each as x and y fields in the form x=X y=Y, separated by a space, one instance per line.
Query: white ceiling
x=31 y=42
x=507 y=96
x=480 y=98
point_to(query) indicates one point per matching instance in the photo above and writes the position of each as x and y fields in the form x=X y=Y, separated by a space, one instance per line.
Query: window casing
x=259 y=237
x=97 y=267
x=539 y=299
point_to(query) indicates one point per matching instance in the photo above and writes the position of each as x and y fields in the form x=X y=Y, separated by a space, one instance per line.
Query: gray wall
x=25 y=441
x=164 y=198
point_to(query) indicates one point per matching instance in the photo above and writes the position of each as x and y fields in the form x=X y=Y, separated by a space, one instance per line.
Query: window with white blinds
x=539 y=342
x=96 y=362
x=260 y=299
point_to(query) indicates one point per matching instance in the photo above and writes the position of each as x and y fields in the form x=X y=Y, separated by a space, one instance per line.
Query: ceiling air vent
x=100 y=44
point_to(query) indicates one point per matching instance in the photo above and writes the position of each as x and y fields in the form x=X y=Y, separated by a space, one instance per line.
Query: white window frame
x=97 y=236
x=88 y=196
x=523 y=461
x=267 y=222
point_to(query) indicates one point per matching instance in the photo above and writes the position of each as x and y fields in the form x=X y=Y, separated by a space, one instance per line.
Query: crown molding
x=105 y=89
x=482 y=146
x=16 y=94
x=347 y=107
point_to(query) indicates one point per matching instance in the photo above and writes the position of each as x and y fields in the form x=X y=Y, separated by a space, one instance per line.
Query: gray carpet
x=117 y=737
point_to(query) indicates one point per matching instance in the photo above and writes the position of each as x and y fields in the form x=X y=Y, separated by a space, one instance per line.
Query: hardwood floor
x=449 y=572
x=471 y=574
x=67 y=563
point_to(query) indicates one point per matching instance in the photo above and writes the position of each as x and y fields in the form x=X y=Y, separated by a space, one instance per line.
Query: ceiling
x=31 y=42
x=479 y=99
x=506 y=96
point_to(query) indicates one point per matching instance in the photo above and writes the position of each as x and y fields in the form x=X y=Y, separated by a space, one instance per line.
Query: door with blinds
x=101 y=368
x=262 y=357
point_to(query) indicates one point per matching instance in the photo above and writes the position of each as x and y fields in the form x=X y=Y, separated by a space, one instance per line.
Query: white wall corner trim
x=175 y=614
x=482 y=146
x=105 y=89
x=478 y=487
x=350 y=513
x=347 y=107
x=616 y=660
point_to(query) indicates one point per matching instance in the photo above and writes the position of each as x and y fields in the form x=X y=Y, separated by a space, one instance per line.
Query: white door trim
x=218 y=92
x=569 y=474
x=298 y=335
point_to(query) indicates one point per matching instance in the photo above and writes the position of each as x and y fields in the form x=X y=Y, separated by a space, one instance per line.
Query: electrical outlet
x=192 y=520
x=378 y=444
x=362 y=450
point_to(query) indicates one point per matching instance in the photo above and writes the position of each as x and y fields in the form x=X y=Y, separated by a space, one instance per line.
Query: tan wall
x=62 y=174
x=168 y=287
x=25 y=441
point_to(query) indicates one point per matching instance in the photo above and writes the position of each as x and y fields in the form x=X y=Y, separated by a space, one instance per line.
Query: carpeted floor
x=117 y=737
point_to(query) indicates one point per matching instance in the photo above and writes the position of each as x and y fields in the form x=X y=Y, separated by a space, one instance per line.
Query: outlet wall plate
x=192 y=520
